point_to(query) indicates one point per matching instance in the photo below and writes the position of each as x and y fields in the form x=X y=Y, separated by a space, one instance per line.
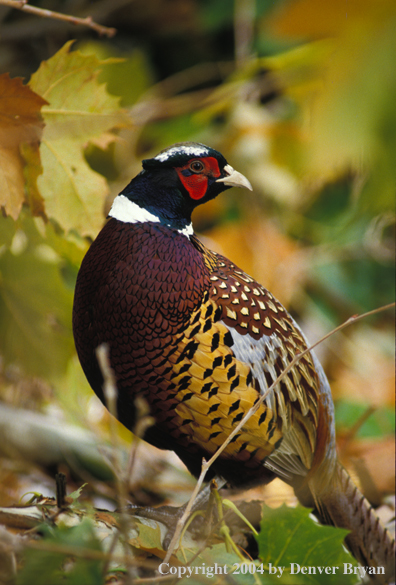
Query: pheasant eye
x=196 y=166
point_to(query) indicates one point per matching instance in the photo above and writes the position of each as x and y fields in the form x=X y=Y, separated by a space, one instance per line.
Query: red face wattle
x=195 y=174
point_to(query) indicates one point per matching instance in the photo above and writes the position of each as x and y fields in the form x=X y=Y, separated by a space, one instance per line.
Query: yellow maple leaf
x=79 y=110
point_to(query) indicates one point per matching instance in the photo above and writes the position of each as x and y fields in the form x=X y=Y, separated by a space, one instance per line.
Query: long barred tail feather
x=343 y=505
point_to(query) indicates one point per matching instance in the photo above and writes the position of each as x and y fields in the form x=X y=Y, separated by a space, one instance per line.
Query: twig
x=153 y=109
x=355 y=428
x=244 y=13
x=184 y=81
x=60 y=479
x=110 y=393
x=206 y=464
x=143 y=421
x=25 y=7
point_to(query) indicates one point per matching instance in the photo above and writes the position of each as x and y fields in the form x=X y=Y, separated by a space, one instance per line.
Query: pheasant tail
x=343 y=505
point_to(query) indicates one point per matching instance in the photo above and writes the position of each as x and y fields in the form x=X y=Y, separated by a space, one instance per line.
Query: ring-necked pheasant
x=201 y=340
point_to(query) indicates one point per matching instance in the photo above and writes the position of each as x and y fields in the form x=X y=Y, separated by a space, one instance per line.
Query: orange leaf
x=20 y=122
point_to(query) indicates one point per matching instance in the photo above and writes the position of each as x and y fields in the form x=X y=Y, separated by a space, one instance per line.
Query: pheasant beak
x=234 y=179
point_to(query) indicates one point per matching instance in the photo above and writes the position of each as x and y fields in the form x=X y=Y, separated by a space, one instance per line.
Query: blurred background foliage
x=300 y=97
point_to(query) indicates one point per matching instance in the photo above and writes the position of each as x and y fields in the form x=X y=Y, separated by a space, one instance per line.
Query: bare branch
x=110 y=392
x=244 y=14
x=25 y=7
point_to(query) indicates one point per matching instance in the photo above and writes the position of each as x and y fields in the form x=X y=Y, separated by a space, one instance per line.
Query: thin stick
x=355 y=428
x=244 y=13
x=296 y=359
x=111 y=393
x=143 y=421
x=25 y=7
x=60 y=479
x=206 y=464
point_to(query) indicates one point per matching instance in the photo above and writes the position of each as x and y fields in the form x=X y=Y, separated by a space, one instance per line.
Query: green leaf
x=148 y=538
x=50 y=568
x=216 y=563
x=131 y=65
x=7 y=232
x=379 y=424
x=77 y=493
x=291 y=539
x=35 y=298
x=367 y=282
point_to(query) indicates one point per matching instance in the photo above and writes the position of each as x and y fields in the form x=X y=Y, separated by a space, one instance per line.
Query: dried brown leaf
x=20 y=122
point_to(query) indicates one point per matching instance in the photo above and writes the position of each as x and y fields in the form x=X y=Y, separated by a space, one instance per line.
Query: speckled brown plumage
x=168 y=327
x=201 y=340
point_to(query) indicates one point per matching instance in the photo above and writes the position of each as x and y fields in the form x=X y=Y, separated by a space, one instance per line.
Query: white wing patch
x=252 y=352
